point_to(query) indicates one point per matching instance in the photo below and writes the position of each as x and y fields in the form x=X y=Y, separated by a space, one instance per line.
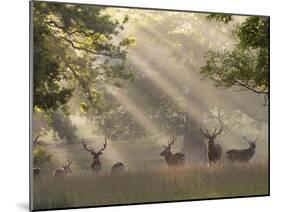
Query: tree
x=40 y=156
x=76 y=47
x=246 y=66
x=40 y=128
x=61 y=124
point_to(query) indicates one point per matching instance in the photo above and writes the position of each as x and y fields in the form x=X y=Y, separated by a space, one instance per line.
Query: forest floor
x=152 y=185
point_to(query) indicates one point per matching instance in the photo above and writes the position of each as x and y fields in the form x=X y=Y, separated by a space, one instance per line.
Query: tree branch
x=82 y=84
x=249 y=88
x=35 y=140
x=55 y=24
x=72 y=43
x=84 y=49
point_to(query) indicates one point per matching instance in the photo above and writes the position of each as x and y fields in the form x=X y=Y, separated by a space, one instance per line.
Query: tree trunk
x=194 y=147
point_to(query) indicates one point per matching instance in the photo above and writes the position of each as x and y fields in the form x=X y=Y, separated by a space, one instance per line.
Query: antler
x=104 y=146
x=215 y=134
x=69 y=161
x=206 y=133
x=59 y=163
x=249 y=141
x=172 y=140
x=244 y=137
x=86 y=148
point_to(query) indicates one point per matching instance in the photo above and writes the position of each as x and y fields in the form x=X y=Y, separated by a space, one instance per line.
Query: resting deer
x=96 y=164
x=242 y=155
x=177 y=159
x=36 y=173
x=214 y=150
x=64 y=170
x=118 y=168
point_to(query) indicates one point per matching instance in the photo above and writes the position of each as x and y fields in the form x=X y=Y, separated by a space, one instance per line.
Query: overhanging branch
x=82 y=84
x=249 y=88
x=85 y=49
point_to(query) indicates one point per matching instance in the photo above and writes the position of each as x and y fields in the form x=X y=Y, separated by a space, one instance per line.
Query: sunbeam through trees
x=155 y=105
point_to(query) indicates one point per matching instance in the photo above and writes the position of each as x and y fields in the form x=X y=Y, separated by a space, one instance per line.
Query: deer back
x=242 y=155
x=118 y=168
x=36 y=173
x=59 y=172
x=64 y=170
x=178 y=159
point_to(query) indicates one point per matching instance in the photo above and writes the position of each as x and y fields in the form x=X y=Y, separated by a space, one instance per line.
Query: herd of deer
x=177 y=159
x=234 y=155
x=214 y=150
x=65 y=169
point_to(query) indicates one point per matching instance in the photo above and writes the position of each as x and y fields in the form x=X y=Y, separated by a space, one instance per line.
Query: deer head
x=66 y=167
x=92 y=151
x=63 y=170
x=252 y=143
x=212 y=136
x=167 y=149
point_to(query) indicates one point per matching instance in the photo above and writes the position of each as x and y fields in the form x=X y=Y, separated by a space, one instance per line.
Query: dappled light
x=138 y=106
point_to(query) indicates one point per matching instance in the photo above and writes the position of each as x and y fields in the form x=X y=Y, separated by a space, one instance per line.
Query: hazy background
x=165 y=60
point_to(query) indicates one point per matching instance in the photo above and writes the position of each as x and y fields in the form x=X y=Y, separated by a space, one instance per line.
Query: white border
x=15 y=105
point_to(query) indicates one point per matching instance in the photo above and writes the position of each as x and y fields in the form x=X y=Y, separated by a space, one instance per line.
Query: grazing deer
x=96 y=164
x=177 y=159
x=36 y=173
x=214 y=150
x=64 y=170
x=118 y=168
x=242 y=155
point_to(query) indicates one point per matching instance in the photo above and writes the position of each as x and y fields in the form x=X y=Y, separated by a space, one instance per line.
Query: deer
x=214 y=150
x=118 y=168
x=96 y=164
x=36 y=173
x=177 y=159
x=63 y=171
x=243 y=155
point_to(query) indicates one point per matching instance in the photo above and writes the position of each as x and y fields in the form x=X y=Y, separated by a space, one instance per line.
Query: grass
x=163 y=184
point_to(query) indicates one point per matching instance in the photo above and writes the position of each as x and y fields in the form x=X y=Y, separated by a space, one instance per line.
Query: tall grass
x=163 y=184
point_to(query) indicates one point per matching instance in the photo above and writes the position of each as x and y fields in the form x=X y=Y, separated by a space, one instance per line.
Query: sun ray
x=164 y=85
x=134 y=110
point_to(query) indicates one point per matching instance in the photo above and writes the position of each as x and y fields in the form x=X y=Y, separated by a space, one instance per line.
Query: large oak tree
x=76 y=48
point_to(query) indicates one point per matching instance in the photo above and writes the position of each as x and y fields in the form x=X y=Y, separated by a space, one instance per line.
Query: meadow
x=154 y=185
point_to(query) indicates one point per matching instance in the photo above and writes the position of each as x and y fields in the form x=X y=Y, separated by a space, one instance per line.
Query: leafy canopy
x=246 y=66
x=76 y=47
x=62 y=124
x=220 y=18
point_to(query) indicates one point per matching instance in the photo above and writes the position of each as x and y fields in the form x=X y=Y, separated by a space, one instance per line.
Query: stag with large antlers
x=243 y=155
x=214 y=150
x=96 y=164
x=177 y=159
x=64 y=170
